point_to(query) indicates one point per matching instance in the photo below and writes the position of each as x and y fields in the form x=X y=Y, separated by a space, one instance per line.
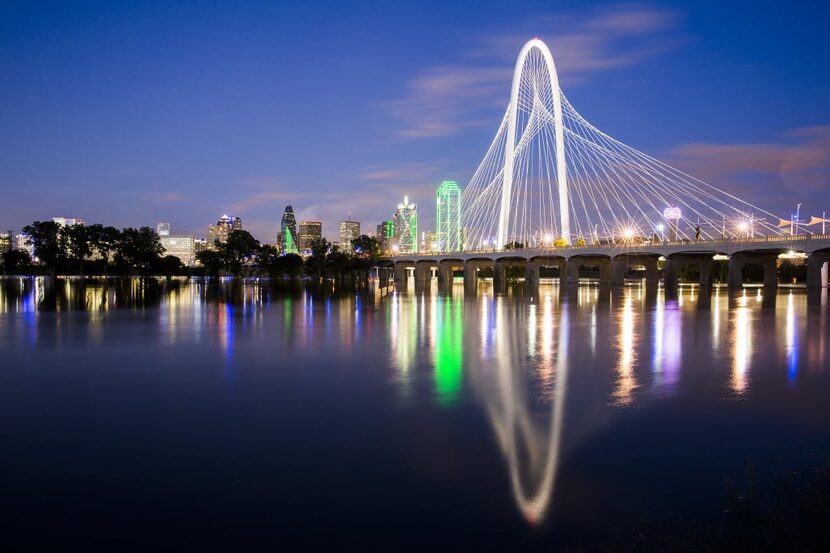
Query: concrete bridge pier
x=383 y=277
x=621 y=263
x=402 y=274
x=571 y=273
x=703 y=262
x=601 y=262
x=499 y=277
x=500 y=272
x=423 y=276
x=818 y=267
x=768 y=261
x=471 y=268
x=705 y=265
x=652 y=273
x=445 y=275
x=671 y=272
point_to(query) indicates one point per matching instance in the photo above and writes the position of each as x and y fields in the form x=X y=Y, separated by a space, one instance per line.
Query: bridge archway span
x=506 y=258
x=639 y=253
x=593 y=257
x=519 y=73
x=544 y=258
x=550 y=176
x=479 y=260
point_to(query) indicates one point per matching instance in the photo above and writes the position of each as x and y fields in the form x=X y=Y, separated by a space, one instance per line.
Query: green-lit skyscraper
x=448 y=216
x=288 y=231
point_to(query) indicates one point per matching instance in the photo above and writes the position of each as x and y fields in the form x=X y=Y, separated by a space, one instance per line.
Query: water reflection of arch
x=530 y=450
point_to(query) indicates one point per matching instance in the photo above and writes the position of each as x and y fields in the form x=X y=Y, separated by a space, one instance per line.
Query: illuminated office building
x=386 y=234
x=406 y=227
x=309 y=232
x=181 y=246
x=22 y=243
x=6 y=241
x=448 y=217
x=349 y=230
x=222 y=229
x=287 y=238
x=163 y=229
x=429 y=241
x=65 y=222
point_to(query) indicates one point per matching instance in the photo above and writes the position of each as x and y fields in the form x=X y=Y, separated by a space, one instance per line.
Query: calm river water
x=241 y=414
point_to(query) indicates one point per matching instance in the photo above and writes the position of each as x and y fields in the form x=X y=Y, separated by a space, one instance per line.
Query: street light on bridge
x=672 y=214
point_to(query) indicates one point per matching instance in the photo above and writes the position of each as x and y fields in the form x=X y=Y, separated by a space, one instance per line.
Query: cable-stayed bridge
x=552 y=189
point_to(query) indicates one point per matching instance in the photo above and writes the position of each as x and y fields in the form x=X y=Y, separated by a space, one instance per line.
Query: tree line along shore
x=98 y=250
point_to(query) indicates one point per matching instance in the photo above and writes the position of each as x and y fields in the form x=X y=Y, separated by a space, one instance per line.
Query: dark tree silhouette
x=45 y=237
x=138 y=249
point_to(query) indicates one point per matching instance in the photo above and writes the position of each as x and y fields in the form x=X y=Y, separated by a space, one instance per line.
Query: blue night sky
x=129 y=113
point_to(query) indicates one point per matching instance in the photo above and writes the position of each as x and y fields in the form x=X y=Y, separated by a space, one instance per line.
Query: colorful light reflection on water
x=538 y=415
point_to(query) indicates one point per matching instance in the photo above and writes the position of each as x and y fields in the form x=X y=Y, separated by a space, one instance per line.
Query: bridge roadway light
x=628 y=233
x=743 y=226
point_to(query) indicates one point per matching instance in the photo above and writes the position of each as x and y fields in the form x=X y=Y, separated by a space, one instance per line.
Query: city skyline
x=429 y=122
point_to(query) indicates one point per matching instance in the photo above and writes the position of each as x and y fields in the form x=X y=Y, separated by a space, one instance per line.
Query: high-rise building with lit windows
x=386 y=234
x=406 y=227
x=6 y=241
x=349 y=230
x=163 y=229
x=429 y=241
x=288 y=237
x=67 y=222
x=309 y=232
x=448 y=216
x=222 y=229
x=24 y=243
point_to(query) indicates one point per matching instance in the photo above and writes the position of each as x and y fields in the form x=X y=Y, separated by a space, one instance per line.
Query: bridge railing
x=635 y=244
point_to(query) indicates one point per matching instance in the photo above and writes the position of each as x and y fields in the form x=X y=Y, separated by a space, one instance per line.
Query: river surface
x=244 y=414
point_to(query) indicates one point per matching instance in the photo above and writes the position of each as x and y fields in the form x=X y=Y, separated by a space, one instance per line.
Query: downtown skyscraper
x=349 y=230
x=386 y=235
x=222 y=229
x=448 y=216
x=406 y=227
x=309 y=232
x=287 y=239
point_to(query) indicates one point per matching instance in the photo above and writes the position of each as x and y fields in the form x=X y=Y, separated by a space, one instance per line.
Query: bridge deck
x=799 y=243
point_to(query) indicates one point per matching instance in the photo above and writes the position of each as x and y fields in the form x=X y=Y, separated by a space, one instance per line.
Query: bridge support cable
x=550 y=177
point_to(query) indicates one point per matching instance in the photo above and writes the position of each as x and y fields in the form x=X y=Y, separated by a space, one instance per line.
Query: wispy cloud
x=444 y=100
x=172 y=197
x=793 y=169
x=258 y=199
